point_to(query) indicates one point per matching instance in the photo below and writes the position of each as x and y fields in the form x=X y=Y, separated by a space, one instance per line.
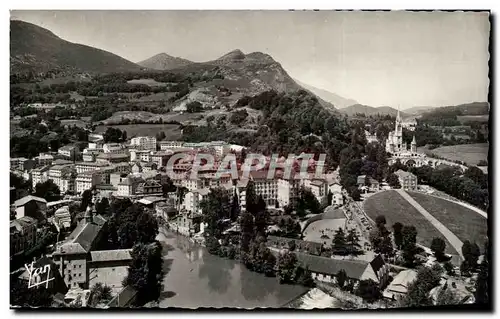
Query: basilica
x=394 y=143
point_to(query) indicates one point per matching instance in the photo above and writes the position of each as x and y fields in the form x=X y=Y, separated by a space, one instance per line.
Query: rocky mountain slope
x=337 y=100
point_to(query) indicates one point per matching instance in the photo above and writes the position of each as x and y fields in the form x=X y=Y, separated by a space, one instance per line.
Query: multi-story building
x=167 y=145
x=23 y=234
x=110 y=158
x=31 y=206
x=160 y=158
x=87 y=180
x=89 y=155
x=267 y=188
x=128 y=185
x=82 y=167
x=140 y=155
x=70 y=152
x=144 y=142
x=44 y=159
x=407 y=180
x=115 y=148
x=21 y=163
x=318 y=187
x=148 y=188
x=64 y=177
x=288 y=191
x=39 y=175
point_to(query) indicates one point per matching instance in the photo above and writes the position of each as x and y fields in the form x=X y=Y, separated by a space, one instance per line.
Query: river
x=194 y=278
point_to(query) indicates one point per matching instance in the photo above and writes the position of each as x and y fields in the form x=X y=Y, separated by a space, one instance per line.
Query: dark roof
x=124 y=297
x=300 y=245
x=83 y=236
x=377 y=263
x=329 y=266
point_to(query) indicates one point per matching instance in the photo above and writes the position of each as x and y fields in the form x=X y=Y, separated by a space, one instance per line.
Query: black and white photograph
x=250 y=159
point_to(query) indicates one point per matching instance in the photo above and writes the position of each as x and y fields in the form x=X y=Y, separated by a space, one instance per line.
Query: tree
x=99 y=294
x=471 y=254
x=447 y=297
x=329 y=198
x=417 y=296
x=397 y=233
x=145 y=274
x=352 y=241
x=305 y=277
x=438 y=246
x=22 y=296
x=341 y=278
x=339 y=244
x=287 y=267
x=380 y=221
x=215 y=207
x=450 y=270
x=247 y=231
x=160 y=136
x=102 y=207
x=409 y=244
x=48 y=190
x=86 y=199
x=482 y=283
x=393 y=180
x=369 y=290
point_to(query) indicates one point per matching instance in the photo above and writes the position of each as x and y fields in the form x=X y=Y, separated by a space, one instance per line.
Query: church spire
x=414 y=141
x=398 y=117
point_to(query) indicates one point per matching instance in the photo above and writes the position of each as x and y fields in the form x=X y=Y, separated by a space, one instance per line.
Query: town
x=169 y=183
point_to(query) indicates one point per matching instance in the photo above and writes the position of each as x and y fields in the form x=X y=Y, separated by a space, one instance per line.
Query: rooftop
x=111 y=255
x=23 y=201
x=329 y=266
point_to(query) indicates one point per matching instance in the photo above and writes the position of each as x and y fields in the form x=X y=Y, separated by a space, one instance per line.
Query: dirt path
x=452 y=239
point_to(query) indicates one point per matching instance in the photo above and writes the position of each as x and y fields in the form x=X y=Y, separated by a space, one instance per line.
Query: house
x=115 y=148
x=148 y=167
x=21 y=164
x=152 y=201
x=399 y=286
x=90 y=155
x=160 y=158
x=23 y=234
x=44 y=159
x=371 y=138
x=70 y=152
x=407 y=180
x=144 y=143
x=31 y=206
x=367 y=183
x=149 y=187
x=64 y=177
x=140 y=155
x=326 y=269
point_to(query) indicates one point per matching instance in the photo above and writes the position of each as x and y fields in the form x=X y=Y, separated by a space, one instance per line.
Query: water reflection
x=218 y=273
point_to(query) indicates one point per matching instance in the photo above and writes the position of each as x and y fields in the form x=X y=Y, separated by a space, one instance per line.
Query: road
x=451 y=237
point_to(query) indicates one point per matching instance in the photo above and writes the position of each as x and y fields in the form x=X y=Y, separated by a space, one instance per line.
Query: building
x=144 y=143
x=22 y=234
x=62 y=218
x=44 y=159
x=69 y=152
x=398 y=288
x=410 y=123
x=140 y=155
x=87 y=180
x=160 y=158
x=82 y=167
x=407 y=180
x=149 y=188
x=111 y=158
x=326 y=269
x=394 y=142
x=167 y=145
x=39 y=175
x=21 y=164
x=336 y=189
x=288 y=191
x=72 y=255
x=368 y=184
x=31 y=206
x=267 y=188
x=371 y=138
x=64 y=177
x=109 y=267
x=56 y=285
x=193 y=198
x=318 y=187
x=89 y=155
x=283 y=243
x=115 y=148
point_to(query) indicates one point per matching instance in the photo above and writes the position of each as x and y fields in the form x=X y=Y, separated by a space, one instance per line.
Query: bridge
x=420 y=159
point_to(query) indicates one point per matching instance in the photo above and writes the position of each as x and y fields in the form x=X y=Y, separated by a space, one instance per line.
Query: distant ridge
x=370 y=110
x=337 y=100
x=163 y=61
x=33 y=48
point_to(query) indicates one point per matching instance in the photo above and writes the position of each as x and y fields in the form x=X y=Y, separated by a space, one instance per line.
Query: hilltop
x=337 y=100
x=370 y=110
x=163 y=61
x=35 y=49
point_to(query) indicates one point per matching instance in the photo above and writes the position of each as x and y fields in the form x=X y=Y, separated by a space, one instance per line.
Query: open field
x=396 y=209
x=149 y=82
x=468 y=153
x=172 y=131
x=463 y=222
x=473 y=118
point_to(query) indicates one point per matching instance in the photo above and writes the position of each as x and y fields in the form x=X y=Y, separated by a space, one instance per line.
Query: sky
x=377 y=58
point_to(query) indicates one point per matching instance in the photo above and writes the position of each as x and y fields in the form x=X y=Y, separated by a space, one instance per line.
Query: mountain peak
x=233 y=55
x=163 y=61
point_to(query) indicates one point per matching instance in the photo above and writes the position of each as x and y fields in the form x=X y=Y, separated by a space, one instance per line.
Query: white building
x=144 y=142
x=166 y=145
x=115 y=148
x=64 y=177
x=410 y=123
x=371 y=138
x=39 y=175
x=394 y=143
x=288 y=191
